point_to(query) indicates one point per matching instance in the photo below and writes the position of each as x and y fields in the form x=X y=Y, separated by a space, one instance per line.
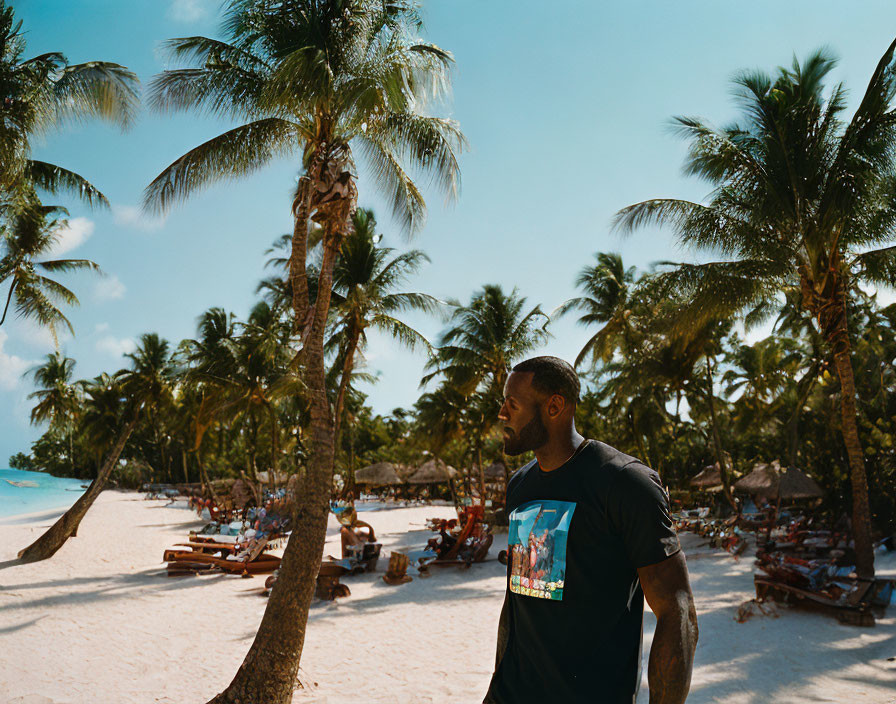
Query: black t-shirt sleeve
x=639 y=513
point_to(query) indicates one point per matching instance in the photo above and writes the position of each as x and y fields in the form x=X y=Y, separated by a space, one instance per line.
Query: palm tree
x=364 y=295
x=664 y=357
x=58 y=399
x=262 y=378
x=211 y=364
x=144 y=386
x=796 y=321
x=29 y=234
x=43 y=93
x=799 y=198
x=156 y=381
x=439 y=416
x=315 y=79
x=607 y=286
x=476 y=352
x=101 y=415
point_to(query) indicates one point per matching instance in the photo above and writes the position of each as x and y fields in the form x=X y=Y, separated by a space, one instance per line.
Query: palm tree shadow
x=20 y=626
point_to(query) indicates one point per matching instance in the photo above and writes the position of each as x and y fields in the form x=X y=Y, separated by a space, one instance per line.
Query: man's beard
x=532 y=435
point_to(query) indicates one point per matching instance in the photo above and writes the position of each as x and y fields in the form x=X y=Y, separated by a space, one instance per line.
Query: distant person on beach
x=579 y=638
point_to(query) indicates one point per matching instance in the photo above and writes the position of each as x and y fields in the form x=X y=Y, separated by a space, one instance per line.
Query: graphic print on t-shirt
x=537 y=545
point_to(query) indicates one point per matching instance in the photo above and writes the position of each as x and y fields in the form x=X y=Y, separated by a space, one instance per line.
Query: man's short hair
x=552 y=375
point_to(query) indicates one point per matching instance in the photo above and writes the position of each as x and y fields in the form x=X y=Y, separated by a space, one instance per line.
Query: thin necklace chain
x=581 y=445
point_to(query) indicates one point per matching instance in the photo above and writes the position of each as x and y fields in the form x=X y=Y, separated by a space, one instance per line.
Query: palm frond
x=54 y=179
x=717 y=290
x=423 y=302
x=33 y=304
x=97 y=89
x=430 y=143
x=877 y=266
x=402 y=332
x=69 y=265
x=407 y=202
x=235 y=153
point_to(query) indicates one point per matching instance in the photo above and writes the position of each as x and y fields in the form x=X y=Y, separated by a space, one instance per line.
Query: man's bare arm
x=668 y=592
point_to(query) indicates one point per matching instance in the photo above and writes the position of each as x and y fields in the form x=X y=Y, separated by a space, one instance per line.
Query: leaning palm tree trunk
x=829 y=308
x=269 y=672
x=67 y=525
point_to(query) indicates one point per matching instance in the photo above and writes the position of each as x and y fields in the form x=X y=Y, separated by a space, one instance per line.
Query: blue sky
x=566 y=106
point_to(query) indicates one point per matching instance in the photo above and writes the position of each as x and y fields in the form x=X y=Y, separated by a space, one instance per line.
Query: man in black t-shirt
x=590 y=537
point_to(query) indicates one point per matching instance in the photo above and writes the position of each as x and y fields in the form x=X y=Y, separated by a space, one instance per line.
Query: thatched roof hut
x=708 y=479
x=379 y=474
x=432 y=472
x=762 y=480
x=771 y=481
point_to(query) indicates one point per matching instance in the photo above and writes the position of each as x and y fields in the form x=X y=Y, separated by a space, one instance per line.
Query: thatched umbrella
x=379 y=474
x=709 y=478
x=433 y=472
x=762 y=480
x=795 y=484
x=772 y=481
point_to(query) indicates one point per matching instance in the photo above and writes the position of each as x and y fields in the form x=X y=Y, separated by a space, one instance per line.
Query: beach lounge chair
x=470 y=545
x=246 y=561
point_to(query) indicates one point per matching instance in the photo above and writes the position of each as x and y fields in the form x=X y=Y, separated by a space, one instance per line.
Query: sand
x=100 y=622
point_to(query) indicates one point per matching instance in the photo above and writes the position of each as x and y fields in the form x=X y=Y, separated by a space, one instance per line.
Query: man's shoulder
x=609 y=457
x=609 y=471
x=605 y=463
x=520 y=474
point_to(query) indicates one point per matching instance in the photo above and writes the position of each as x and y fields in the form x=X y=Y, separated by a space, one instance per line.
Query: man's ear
x=556 y=406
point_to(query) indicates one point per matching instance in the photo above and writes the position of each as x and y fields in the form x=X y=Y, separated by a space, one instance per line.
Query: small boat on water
x=24 y=484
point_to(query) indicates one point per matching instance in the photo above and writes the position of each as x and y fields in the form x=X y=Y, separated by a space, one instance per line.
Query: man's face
x=524 y=429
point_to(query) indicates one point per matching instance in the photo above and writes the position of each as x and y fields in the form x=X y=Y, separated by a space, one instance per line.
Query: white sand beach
x=101 y=622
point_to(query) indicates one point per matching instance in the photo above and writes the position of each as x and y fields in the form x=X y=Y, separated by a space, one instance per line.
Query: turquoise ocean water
x=50 y=492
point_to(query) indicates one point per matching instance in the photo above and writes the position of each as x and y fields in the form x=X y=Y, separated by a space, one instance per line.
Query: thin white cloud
x=187 y=10
x=108 y=288
x=114 y=346
x=72 y=235
x=11 y=367
x=132 y=216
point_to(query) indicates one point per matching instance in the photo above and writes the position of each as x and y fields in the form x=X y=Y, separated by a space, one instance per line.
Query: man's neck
x=558 y=451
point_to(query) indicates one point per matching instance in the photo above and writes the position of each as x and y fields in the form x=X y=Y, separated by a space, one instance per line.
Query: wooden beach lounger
x=854 y=612
x=254 y=562
x=182 y=558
